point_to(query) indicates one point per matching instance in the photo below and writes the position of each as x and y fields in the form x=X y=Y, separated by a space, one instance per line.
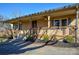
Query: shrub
x=2 y=39
x=45 y=38
x=30 y=38
x=69 y=39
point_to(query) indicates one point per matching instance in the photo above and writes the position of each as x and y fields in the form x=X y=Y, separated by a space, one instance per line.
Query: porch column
x=67 y=22
x=60 y=24
x=18 y=24
x=11 y=26
x=76 y=26
x=49 y=22
x=68 y=31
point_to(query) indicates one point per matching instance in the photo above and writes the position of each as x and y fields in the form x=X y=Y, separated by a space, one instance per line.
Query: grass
x=2 y=39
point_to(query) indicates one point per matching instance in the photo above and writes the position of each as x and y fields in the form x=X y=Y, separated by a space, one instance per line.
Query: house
x=59 y=22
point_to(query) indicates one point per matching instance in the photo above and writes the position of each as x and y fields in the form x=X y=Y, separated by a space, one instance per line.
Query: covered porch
x=57 y=23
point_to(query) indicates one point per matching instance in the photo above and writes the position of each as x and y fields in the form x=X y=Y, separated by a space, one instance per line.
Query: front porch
x=58 y=23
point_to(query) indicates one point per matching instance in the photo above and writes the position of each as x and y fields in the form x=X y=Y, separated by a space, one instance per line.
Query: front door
x=34 y=27
x=34 y=24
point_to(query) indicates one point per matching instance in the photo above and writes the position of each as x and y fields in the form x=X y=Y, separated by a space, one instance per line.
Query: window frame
x=60 y=22
x=63 y=22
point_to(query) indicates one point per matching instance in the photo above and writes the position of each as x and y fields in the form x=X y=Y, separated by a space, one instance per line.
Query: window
x=64 y=22
x=61 y=22
x=16 y=26
x=69 y=21
x=57 y=23
x=52 y=22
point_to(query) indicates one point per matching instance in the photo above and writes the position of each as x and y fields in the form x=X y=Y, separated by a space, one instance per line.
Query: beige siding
x=42 y=23
x=26 y=25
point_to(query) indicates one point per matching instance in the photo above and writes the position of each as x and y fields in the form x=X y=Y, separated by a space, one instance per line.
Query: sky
x=12 y=10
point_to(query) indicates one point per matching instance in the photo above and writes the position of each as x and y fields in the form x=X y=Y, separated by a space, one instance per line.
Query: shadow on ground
x=19 y=46
x=62 y=44
x=16 y=47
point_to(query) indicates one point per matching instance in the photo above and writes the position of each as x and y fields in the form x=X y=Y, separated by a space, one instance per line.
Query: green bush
x=2 y=39
x=30 y=38
x=69 y=39
x=45 y=38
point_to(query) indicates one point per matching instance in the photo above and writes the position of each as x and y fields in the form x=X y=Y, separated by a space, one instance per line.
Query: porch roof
x=55 y=13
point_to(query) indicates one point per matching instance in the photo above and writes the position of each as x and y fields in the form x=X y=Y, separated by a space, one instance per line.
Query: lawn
x=2 y=39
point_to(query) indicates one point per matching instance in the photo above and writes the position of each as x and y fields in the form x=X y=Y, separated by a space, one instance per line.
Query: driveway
x=28 y=48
